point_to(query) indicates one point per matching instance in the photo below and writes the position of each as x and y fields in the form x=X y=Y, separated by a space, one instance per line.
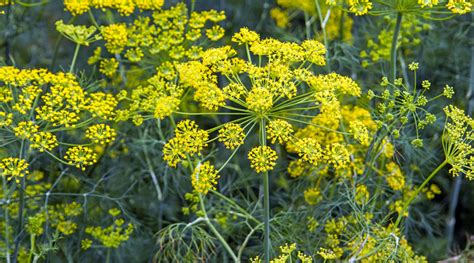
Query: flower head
x=204 y=178
x=13 y=168
x=231 y=135
x=262 y=158
x=80 y=157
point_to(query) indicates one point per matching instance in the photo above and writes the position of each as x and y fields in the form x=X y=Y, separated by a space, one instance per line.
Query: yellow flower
x=77 y=7
x=360 y=7
x=281 y=17
x=459 y=6
x=44 y=141
x=108 y=67
x=13 y=168
x=116 y=37
x=231 y=135
x=262 y=159
x=245 y=36
x=165 y=106
x=101 y=133
x=427 y=3
x=259 y=100
x=204 y=178
x=309 y=150
x=362 y=194
x=26 y=129
x=312 y=196
x=215 y=33
x=279 y=130
x=80 y=157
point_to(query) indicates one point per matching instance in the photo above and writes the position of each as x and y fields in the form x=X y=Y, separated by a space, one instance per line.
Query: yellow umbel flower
x=314 y=52
x=6 y=119
x=259 y=100
x=189 y=139
x=113 y=235
x=427 y=3
x=279 y=131
x=327 y=253
x=26 y=129
x=360 y=7
x=312 y=196
x=77 y=7
x=245 y=36
x=81 y=35
x=204 y=178
x=231 y=135
x=165 y=106
x=101 y=133
x=395 y=178
x=262 y=159
x=280 y=16
x=215 y=33
x=80 y=157
x=337 y=155
x=309 y=150
x=13 y=168
x=458 y=137
x=362 y=194
x=44 y=141
x=116 y=37
x=459 y=6
x=108 y=67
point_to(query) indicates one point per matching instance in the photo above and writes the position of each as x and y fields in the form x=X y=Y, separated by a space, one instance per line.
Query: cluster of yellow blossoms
x=165 y=36
x=458 y=137
x=288 y=253
x=111 y=236
x=277 y=88
x=124 y=7
x=362 y=7
x=37 y=105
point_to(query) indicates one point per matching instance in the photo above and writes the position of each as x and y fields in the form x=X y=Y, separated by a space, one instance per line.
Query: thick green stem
x=7 y=222
x=74 y=58
x=417 y=191
x=393 y=49
x=266 y=200
x=266 y=216
x=32 y=248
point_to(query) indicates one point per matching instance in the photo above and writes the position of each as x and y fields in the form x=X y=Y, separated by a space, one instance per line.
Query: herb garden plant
x=236 y=131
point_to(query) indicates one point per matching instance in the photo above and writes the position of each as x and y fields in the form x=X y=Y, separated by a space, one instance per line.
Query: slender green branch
x=214 y=230
x=417 y=191
x=74 y=58
x=266 y=199
x=393 y=49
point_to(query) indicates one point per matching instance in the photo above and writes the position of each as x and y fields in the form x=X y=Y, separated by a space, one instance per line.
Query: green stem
x=325 y=37
x=107 y=259
x=32 y=248
x=393 y=49
x=266 y=199
x=74 y=58
x=21 y=206
x=7 y=222
x=214 y=230
x=417 y=191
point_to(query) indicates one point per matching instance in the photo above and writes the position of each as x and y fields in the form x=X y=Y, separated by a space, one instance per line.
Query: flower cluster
x=403 y=105
x=13 y=168
x=458 y=137
x=124 y=7
x=188 y=140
